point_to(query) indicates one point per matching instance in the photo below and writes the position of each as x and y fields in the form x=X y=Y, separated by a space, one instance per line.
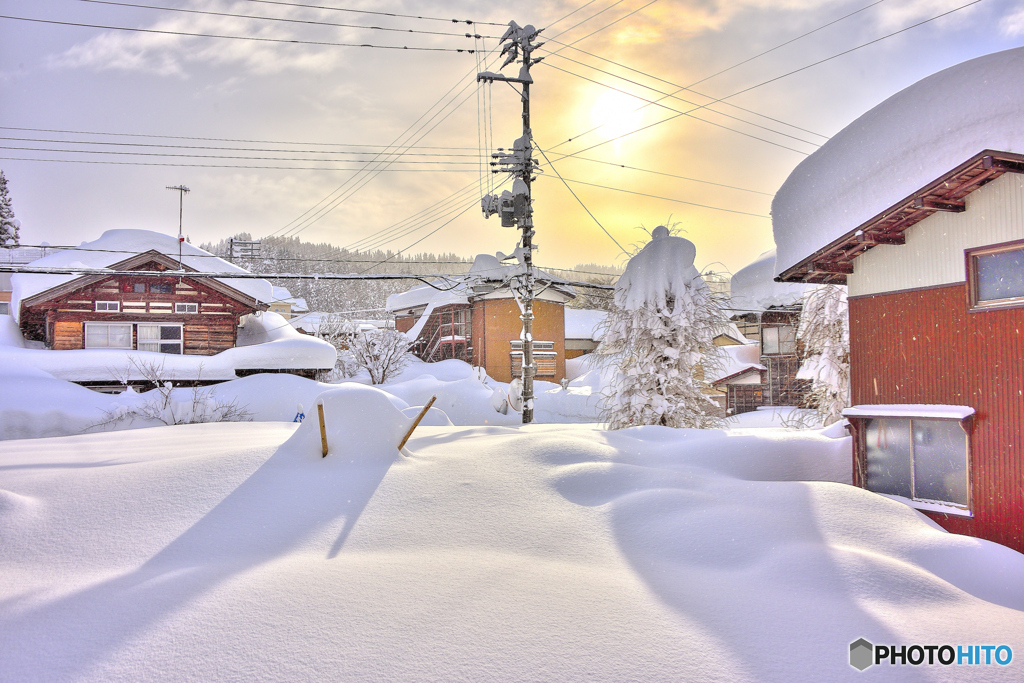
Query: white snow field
x=235 y=552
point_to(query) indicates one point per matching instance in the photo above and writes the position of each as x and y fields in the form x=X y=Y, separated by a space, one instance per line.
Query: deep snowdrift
x=230 y=552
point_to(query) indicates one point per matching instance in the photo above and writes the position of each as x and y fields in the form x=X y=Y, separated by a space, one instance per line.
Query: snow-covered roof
x=737 y=360
x=895 y=149
x=753 y=287
x=911 y=410
x=282 y=295
x=114 y=246
x=458 y=289
x=582 y=323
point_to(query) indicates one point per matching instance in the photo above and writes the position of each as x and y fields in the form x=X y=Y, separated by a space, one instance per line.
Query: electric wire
x=381 y=14
x=244 y=166
x=763 y=83
x=277 y=19
x=257 y=39
x=576 y=196
x=676 y=97
x=685 y=113
x=667 y=199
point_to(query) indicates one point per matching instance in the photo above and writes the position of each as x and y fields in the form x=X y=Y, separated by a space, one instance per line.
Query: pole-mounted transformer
x=516 y=207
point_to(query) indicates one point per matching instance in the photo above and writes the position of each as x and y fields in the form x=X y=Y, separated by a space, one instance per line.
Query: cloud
x=1012 y=24
x=175 y=55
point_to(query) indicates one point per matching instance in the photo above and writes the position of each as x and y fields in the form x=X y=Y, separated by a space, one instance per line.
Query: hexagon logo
x=861 y=654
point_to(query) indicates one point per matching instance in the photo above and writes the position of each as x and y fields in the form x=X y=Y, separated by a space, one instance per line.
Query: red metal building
x=921 y=214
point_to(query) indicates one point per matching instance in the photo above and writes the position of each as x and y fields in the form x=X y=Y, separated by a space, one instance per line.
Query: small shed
x=475 y=318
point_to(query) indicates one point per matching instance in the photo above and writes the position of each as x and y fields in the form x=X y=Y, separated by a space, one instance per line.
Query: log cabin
x=918 y=207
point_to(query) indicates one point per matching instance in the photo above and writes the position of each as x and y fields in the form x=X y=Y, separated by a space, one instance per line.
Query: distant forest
x=366 y=299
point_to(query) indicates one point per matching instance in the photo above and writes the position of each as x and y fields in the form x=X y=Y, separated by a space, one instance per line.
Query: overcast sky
x=320 y=113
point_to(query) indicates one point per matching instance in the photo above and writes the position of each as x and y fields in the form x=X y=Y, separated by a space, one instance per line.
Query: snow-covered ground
x=549 y=552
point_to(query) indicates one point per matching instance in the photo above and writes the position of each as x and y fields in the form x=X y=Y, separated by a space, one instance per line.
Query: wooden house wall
x=212 y=330
x=925 y=347
x=496 y=323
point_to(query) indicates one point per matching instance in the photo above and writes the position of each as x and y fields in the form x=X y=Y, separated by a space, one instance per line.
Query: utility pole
x=516 y=207
x=182 y=190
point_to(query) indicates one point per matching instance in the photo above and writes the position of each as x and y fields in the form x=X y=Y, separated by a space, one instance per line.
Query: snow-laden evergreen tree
x=824 y=334
x=659 y=340
x=9 y=225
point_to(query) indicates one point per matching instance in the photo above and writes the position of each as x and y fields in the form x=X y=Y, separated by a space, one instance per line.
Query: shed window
x=544 y=357
x=108 y=335
x=995 y=275
x=162 y=338
x=186 y=308
x=139 y=288
x=920 y=459
x=779 y=340
x=161 y=288
x=108 y=306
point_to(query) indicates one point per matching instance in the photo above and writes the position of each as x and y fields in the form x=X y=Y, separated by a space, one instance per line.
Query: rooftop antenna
x=181 y=189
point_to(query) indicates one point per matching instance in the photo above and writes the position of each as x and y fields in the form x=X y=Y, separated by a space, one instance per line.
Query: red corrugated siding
x=925 y=347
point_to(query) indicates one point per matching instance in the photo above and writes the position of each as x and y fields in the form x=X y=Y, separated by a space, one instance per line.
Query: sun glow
x=616 y=113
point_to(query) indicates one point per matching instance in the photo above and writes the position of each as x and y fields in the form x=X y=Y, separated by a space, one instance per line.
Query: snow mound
x=663 y=268
x=897 y=148
x=753 y=287
x=362 y=424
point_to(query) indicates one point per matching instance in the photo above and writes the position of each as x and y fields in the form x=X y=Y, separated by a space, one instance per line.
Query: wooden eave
x=834 y=262
x=134 y=263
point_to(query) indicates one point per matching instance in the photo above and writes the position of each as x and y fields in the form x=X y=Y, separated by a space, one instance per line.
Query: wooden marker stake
x=416 y=423
x=323 y=429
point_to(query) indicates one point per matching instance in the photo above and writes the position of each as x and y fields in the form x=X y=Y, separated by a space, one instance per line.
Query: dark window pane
x=889 y=456
x=1001 y=275
x=139 y=288
x=170 y=348
x=170 y=332
x=160 y=288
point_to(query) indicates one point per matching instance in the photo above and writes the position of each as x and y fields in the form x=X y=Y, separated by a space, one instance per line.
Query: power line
x=684 y=113
x=667 y=199
x=661 y=173
x=245 y=166
x=189 y=137
x=381 y=14
x=689 y=88
x=231 y=149
x=676 y=97
x=771 y=80
x=289 y=41
x=278 y=19
x=573 y=192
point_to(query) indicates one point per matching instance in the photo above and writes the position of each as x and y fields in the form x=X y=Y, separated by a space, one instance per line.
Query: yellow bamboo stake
x=323 y=429
x=417 y=421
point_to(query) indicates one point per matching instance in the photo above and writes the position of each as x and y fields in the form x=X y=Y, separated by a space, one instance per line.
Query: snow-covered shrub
x=824 y=334
x=340 y=333
x=169 y=405
x=659 y=340
x=382 y=353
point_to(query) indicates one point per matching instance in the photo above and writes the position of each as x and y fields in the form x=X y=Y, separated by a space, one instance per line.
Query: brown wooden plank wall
x=68 y=335
x=925 y=347
x=206 y=339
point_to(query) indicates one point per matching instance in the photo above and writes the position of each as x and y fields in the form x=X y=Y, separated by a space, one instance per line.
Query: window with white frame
x=108 y=306
x=544 y=357
x=995 y=275
x=921 y=459
x=778 y=340
x=108 y=335
x=160 y=337
x=186 y=308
